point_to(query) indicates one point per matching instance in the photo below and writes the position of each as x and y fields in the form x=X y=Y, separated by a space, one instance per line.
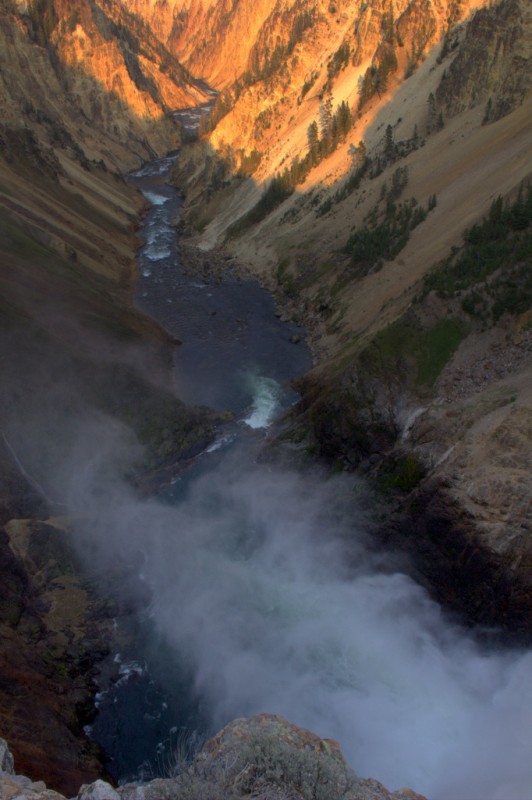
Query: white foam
x=129 y=669
x=221 y=442
x=158 y=238
x=156 y=252
x=155 y=199
x=266 y=394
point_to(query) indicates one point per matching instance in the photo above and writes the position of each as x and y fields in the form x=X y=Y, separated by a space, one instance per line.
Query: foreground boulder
x=262 y=757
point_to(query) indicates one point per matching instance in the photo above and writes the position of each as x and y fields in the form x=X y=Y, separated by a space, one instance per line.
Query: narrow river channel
x=262 y=594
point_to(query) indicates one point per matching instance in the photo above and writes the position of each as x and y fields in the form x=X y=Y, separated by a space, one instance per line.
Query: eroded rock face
x=492 y=64
x=51 y=631
x=263 y=757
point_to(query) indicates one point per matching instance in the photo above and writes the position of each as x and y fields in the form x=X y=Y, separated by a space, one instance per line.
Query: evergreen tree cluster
x=492 y=272
x=384 y=235
x=339 y=60
x=375 y=80
x=334 y=128
x=276 y=192
x=434 y=117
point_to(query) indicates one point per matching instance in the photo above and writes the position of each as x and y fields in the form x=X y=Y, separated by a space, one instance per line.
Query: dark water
x=231 y=337
x=235 y=355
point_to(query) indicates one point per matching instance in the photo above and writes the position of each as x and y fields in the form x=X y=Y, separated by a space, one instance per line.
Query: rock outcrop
x=263 y=757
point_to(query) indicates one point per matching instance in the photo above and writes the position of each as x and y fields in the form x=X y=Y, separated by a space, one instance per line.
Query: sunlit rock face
x=136 y=75
x=93 y=63
x=213 y=39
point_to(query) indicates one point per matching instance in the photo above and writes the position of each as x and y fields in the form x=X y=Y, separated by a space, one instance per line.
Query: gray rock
x=159 y=789
x=99 y=790
x=7 y=763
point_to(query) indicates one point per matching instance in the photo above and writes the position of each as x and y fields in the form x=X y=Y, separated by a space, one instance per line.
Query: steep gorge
x=396 y=393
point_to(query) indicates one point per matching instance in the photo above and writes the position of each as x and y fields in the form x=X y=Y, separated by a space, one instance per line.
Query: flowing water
x=262 y=594
x=235 y=355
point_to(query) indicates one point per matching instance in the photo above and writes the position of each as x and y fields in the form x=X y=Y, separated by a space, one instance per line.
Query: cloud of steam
x=261 y=582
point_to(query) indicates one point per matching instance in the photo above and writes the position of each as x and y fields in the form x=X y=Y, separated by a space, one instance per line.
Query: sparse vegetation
x=264 y=766
x=285 y=279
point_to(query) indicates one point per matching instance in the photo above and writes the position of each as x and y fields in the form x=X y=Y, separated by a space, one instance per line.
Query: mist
x=262 y=584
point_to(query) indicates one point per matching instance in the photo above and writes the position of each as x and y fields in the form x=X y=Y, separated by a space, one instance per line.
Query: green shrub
x=384 y=236
x=502 y=240
x=416 y=355
x=403 y=474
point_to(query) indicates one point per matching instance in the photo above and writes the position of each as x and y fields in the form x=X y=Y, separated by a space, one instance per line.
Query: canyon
x=368 y=163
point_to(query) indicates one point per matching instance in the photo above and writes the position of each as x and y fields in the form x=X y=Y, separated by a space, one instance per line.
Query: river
x=236 y=355
x=262 y=593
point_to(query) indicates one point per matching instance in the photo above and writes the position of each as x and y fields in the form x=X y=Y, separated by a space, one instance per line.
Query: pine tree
x=432 y=114
x=326 y=115
x=313 y=142
x=344 y=119
x=389 y=144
